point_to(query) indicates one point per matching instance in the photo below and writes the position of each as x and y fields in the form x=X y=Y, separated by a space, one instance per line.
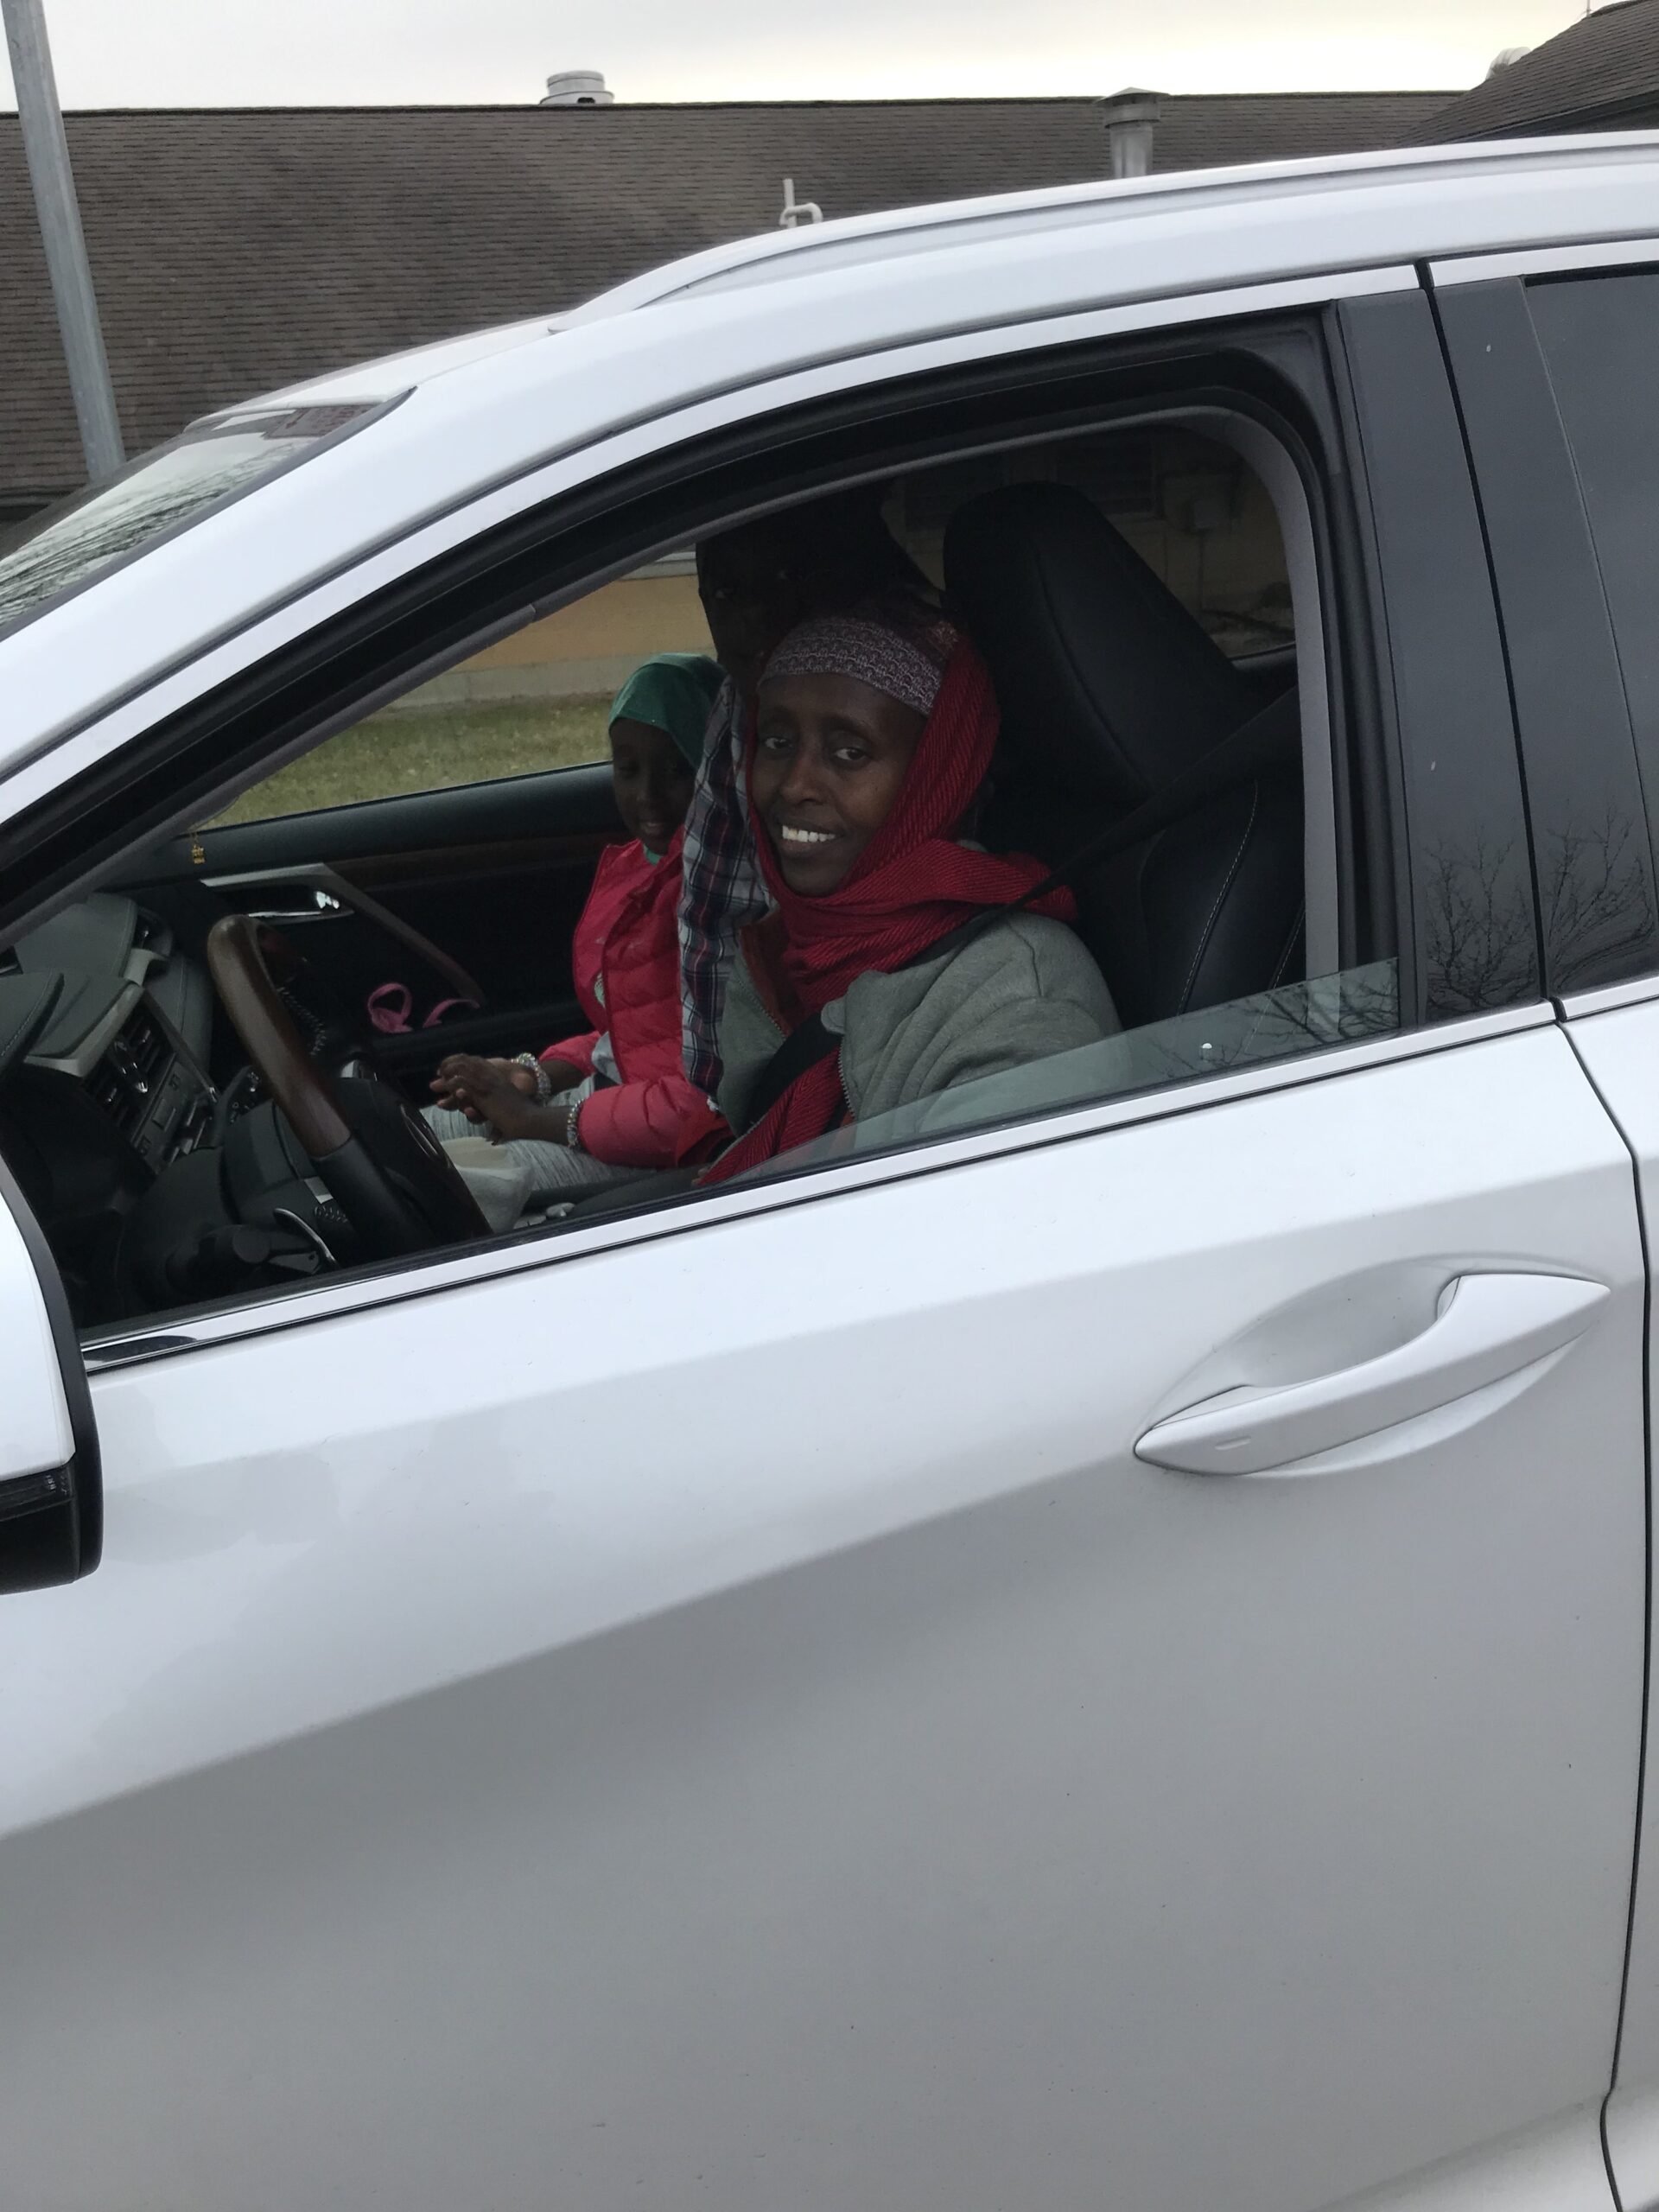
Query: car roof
x=806 y=251
x=480 y=410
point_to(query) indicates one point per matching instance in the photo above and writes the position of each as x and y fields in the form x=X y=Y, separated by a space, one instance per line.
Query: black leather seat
x=1109 y=689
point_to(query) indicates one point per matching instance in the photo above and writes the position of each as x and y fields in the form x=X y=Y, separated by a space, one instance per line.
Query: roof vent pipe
x=1130 y=115
x=577 y=88
x=797 y=212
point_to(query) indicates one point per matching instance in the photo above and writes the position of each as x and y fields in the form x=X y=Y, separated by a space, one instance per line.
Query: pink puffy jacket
x=625 y=961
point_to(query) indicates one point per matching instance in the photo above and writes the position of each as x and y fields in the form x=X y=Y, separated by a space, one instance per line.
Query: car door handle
x=323 y=907
x=1488 y=1328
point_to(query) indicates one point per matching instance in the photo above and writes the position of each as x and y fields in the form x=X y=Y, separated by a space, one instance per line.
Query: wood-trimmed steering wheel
x=386 y=1170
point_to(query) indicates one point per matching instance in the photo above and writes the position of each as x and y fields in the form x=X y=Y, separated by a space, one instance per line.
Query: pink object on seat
x=390 y=1006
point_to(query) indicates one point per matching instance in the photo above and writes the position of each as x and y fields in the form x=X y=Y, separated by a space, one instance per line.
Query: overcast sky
x=215 y=53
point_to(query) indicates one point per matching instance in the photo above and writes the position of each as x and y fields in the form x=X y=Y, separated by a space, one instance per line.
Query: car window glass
x=160 y=492
x=1600 y=337
x=534 y=701
x=1344 y=1008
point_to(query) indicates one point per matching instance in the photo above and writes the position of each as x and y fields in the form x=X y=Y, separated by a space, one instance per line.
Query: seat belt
x=1249 y=751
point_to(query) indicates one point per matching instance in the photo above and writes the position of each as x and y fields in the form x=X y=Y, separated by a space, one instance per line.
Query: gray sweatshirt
x=1022 y=990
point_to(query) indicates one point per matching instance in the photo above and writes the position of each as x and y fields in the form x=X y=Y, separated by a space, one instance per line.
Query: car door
x=833 y=1697
x=594 y=1727
x=1579 y=333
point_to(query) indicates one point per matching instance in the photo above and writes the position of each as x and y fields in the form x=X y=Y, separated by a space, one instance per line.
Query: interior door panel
x=470 y=892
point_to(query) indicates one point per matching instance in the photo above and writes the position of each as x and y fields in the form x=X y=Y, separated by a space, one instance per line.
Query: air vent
x=124 y=1108
x=125 y=1080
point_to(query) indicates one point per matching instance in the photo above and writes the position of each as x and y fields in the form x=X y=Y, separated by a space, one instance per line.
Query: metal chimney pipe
x=578 y=88
x=1130 y=115
x=47 y=151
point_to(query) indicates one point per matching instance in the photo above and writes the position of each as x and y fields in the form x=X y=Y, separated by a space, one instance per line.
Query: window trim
x=1321 y=875
x=724 y=1205
x=1609 y=998
x=1545 y=261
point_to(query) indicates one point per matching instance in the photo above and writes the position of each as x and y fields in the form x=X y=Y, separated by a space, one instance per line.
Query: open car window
x=537 y=700
x=430 y=881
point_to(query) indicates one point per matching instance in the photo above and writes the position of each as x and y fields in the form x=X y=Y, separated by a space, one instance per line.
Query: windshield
x=161 y=492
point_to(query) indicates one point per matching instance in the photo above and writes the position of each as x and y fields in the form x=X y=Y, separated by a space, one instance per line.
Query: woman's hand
x=463 y=1072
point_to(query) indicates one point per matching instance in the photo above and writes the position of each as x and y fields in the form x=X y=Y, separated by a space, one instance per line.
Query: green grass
x=429 y=749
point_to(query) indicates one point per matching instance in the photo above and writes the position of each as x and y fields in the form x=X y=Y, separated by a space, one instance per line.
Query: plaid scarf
x=722 y=888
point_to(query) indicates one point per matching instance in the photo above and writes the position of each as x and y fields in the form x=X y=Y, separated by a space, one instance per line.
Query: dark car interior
x=177 y=1157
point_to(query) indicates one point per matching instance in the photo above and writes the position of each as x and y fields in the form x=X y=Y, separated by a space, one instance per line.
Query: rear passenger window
x=1600 y=337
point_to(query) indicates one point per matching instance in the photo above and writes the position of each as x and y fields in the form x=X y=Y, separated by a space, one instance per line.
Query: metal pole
x=48 y=153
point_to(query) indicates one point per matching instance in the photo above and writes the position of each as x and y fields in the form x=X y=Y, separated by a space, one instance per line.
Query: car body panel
x=1620 y=1048
x=787 y=1750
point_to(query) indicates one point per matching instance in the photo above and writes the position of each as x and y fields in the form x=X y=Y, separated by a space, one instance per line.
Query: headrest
x=1103 y=676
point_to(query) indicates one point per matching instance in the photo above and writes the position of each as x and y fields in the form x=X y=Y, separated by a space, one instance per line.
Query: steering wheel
x=375 y=1156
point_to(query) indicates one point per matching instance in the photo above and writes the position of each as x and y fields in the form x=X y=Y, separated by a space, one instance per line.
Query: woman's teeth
x=792 y=837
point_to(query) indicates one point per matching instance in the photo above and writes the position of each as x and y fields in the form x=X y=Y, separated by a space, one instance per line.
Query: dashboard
x=158 y=1187
x=114 y=940
x=160 y=1173
x=106 y=1043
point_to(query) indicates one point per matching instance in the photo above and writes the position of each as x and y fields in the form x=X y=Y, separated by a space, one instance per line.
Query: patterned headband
x=888 y=659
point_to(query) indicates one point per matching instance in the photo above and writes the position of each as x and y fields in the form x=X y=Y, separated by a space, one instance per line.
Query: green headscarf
x=674 y=693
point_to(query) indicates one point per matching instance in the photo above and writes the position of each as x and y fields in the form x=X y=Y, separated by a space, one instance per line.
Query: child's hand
x=459 y=1074
x=487 y=1090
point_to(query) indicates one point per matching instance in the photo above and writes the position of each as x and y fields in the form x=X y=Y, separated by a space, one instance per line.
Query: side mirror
x=51 y=1484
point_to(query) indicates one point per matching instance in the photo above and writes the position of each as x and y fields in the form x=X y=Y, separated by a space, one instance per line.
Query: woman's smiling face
x=830 y=757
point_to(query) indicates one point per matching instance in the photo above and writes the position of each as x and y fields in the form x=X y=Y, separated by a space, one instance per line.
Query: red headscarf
x=911 y=885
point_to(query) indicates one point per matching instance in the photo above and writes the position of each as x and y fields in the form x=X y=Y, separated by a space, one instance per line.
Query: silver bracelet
x=544 y=1080
x=572 y=1134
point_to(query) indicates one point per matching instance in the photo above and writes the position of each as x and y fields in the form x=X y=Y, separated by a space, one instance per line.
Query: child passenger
x=602 y=1107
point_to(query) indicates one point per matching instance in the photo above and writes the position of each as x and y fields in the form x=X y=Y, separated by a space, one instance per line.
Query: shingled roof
x=237 y=250
x=1601 y=70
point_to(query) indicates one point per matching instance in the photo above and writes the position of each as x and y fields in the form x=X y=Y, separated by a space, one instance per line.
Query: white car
x=1086 y=1646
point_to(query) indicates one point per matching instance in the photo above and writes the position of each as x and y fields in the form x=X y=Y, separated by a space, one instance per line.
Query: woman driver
x=871 y=741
